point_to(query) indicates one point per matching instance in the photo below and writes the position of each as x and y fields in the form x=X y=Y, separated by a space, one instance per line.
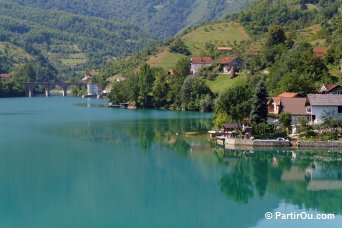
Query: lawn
x=223 y=81
x=220 y=34
x=165 y=59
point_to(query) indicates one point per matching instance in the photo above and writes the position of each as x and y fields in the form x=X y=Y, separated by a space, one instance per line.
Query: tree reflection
x=260 y=173
x=237 y=185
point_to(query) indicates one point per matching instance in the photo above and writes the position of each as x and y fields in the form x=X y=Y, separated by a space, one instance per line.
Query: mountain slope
x=68 y=40
x=162 y=18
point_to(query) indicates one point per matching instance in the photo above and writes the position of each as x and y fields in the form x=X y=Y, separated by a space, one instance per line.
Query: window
x=308 y=109
x=339 y=109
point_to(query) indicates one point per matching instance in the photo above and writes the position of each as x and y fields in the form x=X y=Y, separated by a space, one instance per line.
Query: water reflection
x=312 y=180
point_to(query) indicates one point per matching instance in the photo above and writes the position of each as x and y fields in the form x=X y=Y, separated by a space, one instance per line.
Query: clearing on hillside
x=219 y=34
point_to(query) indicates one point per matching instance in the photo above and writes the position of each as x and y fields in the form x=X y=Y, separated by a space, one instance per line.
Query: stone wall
x=257 y=143
x=321 y=144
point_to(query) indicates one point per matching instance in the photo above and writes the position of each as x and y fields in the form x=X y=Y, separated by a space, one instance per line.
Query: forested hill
x=66 y=40
x=162 y=18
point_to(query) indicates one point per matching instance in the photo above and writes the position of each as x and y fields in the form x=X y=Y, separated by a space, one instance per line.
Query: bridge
x=30 y=86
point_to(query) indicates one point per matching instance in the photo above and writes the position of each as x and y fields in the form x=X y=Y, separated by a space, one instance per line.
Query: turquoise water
x=69 y=162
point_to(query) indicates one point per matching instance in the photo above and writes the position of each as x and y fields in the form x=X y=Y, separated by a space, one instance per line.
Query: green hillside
x=197 y=41
x=162 y=18
x=68 y=41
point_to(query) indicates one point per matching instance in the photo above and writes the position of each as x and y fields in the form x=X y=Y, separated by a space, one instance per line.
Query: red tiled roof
x=290 y=95
x=224 y=48
x=5 y=76
x=329 y=87
x=227 y=60
x=294 y=106
x=320 y=51
x=201 y=60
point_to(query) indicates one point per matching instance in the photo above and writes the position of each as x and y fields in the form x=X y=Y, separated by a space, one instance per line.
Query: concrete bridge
x=30 y=86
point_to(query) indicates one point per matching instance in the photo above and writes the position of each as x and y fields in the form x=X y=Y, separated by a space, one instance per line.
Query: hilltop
x=161 y=18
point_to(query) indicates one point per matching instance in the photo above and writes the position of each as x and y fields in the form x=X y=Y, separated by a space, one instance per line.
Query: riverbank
x=275 y=143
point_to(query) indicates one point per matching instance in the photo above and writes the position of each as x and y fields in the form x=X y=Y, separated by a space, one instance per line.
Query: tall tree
x=145 y=85
x=276 y=35
x=259 y=104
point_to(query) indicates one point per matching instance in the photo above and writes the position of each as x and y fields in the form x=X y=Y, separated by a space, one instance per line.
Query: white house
x=93 y=89
x=198 y=62
x=323 y=104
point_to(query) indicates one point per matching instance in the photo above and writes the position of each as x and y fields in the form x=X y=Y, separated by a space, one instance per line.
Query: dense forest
x=162 y=18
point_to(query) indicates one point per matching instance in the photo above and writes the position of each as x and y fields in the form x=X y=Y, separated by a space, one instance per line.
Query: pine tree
x=259 y=104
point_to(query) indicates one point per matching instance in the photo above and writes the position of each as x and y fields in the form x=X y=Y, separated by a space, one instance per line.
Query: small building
x=323 y=103
x=231 y=129
x=225 y=49
x=292 y=103
x=5 y=76
x=93 y=90
x=198 y=62
x=331 y=89
x=230 y=63
x=320 y=52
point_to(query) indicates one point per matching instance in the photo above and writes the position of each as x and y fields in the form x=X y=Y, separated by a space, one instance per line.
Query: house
x=93 y=90
x=5 y=76
x=274 y=105
x=292 y=103
x=230 y=63
x=331 y=88
x=320 y=52
x=323 y=104
x=198 y=62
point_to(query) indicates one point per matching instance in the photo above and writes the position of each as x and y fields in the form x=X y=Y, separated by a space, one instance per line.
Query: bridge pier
x=65 y=89
x=30 y=86
x=47 y=91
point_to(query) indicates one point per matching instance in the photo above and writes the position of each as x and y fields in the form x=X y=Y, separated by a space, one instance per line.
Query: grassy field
x=165 y=59
x=219 y=34
x=19 y=55
x=223 y=81
x=74 y=59
x=310 y=35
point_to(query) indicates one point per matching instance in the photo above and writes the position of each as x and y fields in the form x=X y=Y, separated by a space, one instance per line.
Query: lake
x=71 y=162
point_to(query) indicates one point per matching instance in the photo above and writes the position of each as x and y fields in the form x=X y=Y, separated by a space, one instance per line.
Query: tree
x=298 y=70
x=181 y=70
x=235 y=102
x=178 y=46
x=159 y=91
x=145 y=85
x=191 y=93
x=276 y=35
x=118 y=93
x=285 y=120
x=259 y=104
